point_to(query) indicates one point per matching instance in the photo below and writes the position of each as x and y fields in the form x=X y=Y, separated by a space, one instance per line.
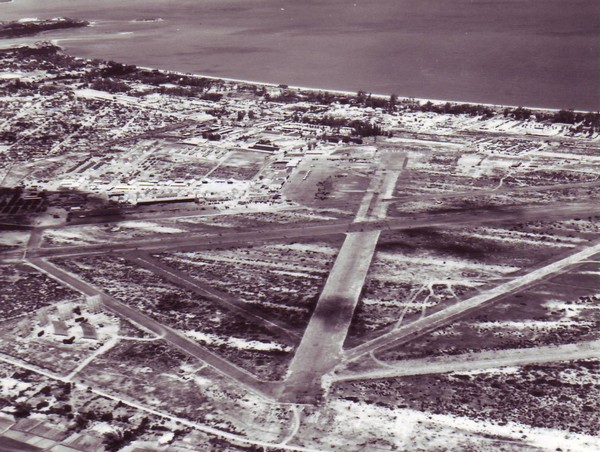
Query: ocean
x=540 y=53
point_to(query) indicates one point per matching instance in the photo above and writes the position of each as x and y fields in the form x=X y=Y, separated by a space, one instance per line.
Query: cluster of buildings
x=105 y=143
x=67 y=321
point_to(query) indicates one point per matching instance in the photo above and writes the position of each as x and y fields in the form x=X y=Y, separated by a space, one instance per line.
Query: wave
x=145 y=21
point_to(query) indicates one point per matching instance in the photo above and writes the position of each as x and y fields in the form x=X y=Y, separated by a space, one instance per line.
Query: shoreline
x=56 y=42
x=353 y=93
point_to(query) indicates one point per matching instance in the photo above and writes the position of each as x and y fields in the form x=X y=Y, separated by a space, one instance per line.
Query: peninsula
x=31 y=27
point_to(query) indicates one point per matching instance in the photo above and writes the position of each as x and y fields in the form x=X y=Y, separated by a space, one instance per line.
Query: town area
x=190 y=263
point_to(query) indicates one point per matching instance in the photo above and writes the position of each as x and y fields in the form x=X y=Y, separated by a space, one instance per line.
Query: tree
x=22 y=410
x=110 y=85
x=114 y=69
x=393 y=102
x=521 y=113
x=564 y=117
x=80 y=423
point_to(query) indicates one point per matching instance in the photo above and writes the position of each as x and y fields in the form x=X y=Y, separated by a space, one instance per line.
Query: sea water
x=543 y=53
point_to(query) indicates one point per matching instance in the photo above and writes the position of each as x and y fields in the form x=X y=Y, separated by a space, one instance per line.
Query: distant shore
x=56 y=42
x=412 y=49
x=32 y=27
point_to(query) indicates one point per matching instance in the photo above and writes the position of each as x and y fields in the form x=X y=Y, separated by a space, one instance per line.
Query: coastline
x=56 y=42
x=526 y=68
x=353 y=93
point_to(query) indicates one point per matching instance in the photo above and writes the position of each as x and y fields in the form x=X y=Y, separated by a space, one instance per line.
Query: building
x=60 y=328
x=88 y=331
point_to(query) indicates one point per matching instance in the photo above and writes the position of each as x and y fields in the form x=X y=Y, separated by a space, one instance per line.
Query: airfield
x=292 y=289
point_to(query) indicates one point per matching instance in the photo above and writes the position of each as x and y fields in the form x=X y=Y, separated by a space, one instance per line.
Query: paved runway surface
x=190 y=241
x=479 y=360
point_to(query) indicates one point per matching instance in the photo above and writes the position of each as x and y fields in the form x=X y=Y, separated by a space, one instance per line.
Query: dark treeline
x=359 y=127
x=113 y=77
x=584 y=120
x=147 y=76
x=326 y=98
x=455 y=109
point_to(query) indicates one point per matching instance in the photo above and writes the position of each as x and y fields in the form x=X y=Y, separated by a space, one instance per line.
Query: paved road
x=285 y=332
x=477 y=361
x=244 y=378
x=504 y=215
x=455 y=311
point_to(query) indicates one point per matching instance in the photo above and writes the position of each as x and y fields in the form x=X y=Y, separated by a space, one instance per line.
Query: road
x=236 y=438
x=455 y=311
x=478 y=360
x=278 y=233
x=285 y=332
x=242 y=377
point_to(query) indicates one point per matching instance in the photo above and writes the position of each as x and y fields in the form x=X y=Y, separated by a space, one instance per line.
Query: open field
x=406 y=280
x=282 y=281
x=561 y=310
x=188 y=388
